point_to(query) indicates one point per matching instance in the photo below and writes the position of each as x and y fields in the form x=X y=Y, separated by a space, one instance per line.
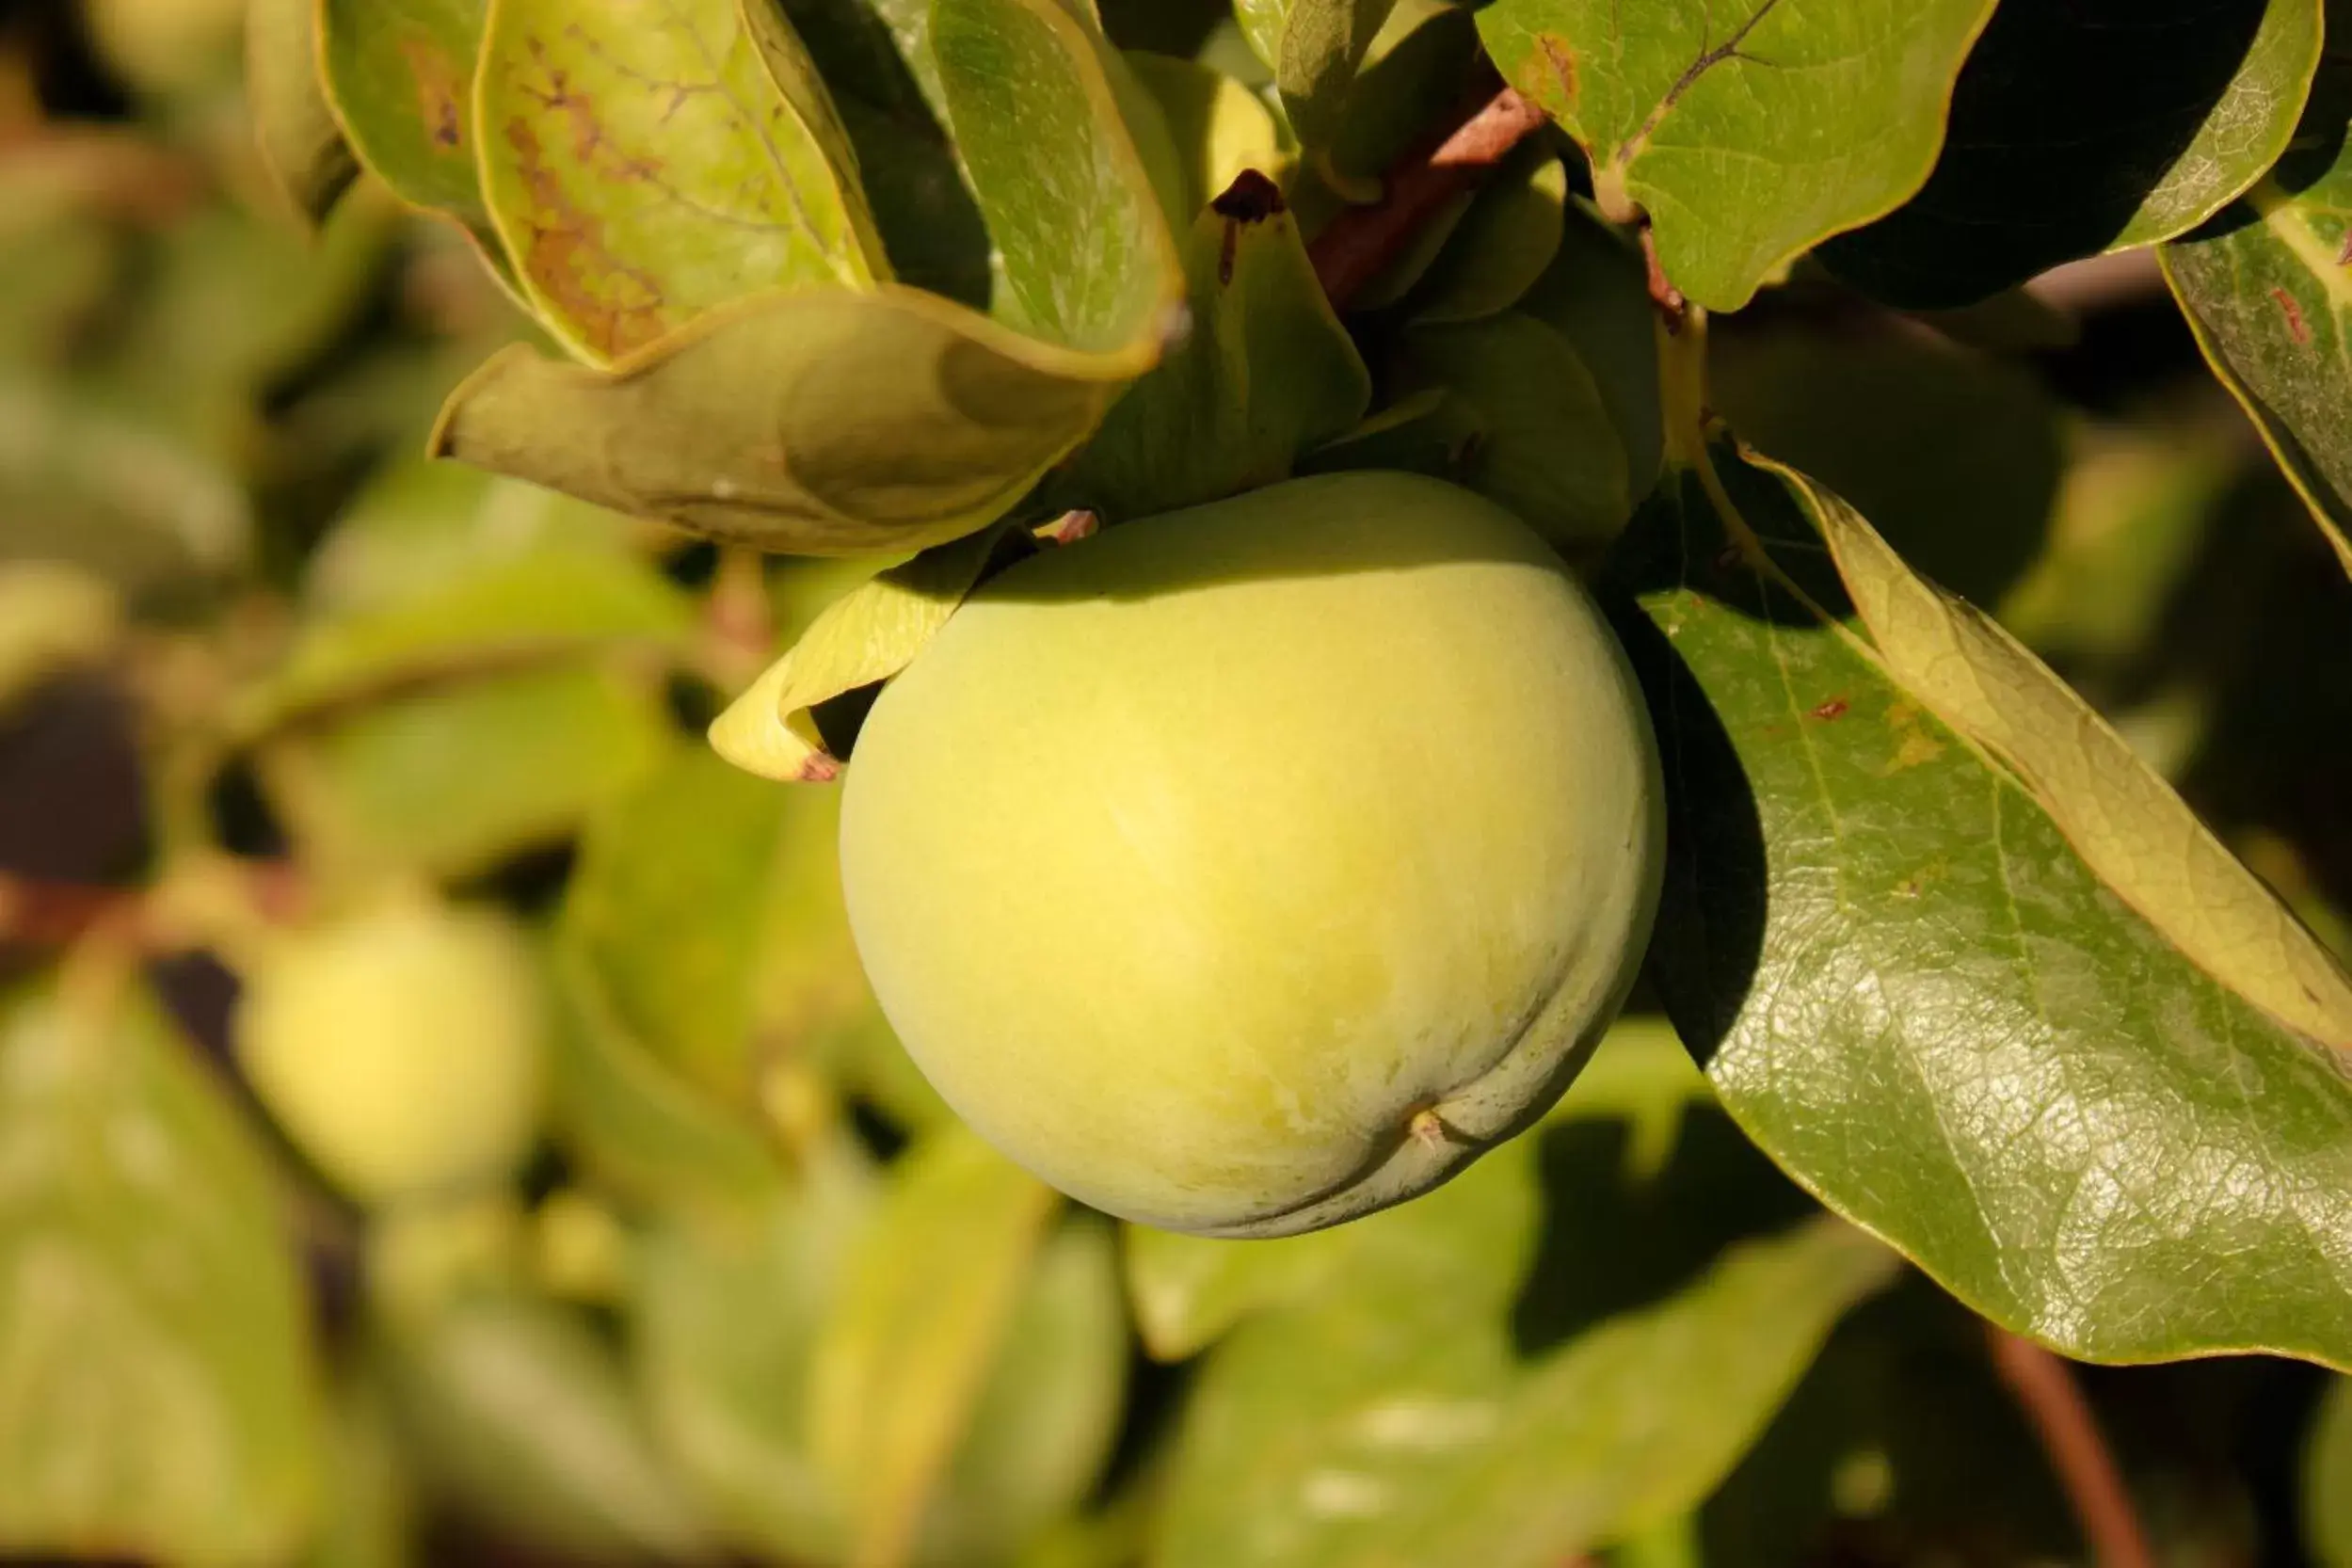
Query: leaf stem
x=1355 y=246
x=2086 y=1468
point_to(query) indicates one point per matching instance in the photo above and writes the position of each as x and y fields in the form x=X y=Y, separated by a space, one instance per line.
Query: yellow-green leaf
x=641 y=166
x=2127 y=824
x=905 y=1349
x=1503 y=243
x=1219 y=126
x=867 y=636
x=401 y=76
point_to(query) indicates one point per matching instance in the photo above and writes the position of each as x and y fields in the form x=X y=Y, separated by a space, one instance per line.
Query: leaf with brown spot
x=2268 y=292
x=400 y=76
x=641 y=166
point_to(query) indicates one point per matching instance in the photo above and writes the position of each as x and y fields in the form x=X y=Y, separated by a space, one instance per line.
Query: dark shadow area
x=2064 y=120
x=1709 y=937
x=1613 y=1241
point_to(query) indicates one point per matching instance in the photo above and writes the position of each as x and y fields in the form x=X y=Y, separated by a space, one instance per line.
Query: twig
x=1356 y=245
x=2052 y=1402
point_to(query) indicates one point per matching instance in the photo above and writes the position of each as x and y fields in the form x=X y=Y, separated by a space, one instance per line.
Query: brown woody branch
x=2053 y=1402
x=1354 y=246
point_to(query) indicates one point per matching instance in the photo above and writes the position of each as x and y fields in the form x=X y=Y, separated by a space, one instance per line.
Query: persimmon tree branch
x=1355 y=245
x=2086 y=1468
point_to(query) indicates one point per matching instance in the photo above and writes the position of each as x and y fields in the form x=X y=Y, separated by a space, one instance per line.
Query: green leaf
x=534 y=609
x=2086 y=128
x=1747 y=137
x=1321 y=44
x=860 y=639
x=400 y=73
x=2327 y=1480
x=635 y=1121
x=1088 y=261
x=1403 y=1429
x=724 y=1319
x=1219 y=126
x=1955 y=456
x=828 y=423
x=728 y=1319
x=709 y=905
x=1549 y=449
x=642 y=167
x=418 y=528
x=156 y=1378
x=1420 y=64
x=2075 y=1127
x=301 y=143
x=520 y=1414
x=924 y=1305
x=1503 y=245
x=1267 y=373
x=876 y=56
x=451 y=780
x=1427 y=432
x=2265 y=288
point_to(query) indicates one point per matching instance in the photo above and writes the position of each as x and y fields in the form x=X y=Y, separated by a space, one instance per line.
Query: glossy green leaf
x=2085 y=128
x=875 y=56
x=825 y=424
x=2327 y=1480
x=1503 y=245
x=1953 y=454
x=1548 y=448
x=635 y=1121
x=1404 y=1431
x=864 y=637
x=2266 y=289
x=708 y=904
x=1267 y=373
x=1088 y=261
x=1748 y=135
x=924 y=1307
x=454 y=779
x=401 y=76
x=156 y=1381
x=534 y=609
x=642 y=166
x=302 y=145
x=1219 y=126
x=1870 y=923
x=521 y=1416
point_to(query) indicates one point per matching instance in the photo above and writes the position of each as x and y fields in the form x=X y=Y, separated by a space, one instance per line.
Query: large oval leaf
x=1910 y=986
x=2267 y=288
x=1747 y=134
x=2084 y=128
x=641 y=166
x=156 y=1395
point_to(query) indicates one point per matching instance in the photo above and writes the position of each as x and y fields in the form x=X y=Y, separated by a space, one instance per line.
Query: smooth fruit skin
x=402 y=1048
x=1247 y=869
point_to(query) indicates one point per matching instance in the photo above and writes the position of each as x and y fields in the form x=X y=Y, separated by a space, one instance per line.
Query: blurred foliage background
x=687 y=1264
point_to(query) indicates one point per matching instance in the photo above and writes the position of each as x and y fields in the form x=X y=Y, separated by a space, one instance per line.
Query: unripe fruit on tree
x=401 y=1048
x=1247 y=869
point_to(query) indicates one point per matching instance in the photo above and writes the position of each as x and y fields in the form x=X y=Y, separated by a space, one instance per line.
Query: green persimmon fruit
x=401 y=1046
x=1249 y=868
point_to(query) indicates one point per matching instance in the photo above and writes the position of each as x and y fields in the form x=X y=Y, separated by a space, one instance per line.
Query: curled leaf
x=869 y=634
x=825 y=423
